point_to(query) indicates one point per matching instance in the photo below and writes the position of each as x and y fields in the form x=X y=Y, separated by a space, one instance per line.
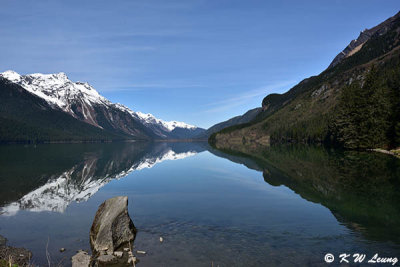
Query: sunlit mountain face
x=68 y=173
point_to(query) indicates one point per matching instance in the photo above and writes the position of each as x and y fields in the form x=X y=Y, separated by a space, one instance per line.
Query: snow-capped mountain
x=161 y=128
x=56 y=89
x=84 y=103
x=81 y=181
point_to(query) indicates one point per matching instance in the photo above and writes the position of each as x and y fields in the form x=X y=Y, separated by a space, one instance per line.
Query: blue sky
x=196 y=61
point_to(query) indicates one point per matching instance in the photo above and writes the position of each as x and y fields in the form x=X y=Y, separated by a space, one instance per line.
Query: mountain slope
x=315 y=110
x=163 y=129
x=356 y=44
x=26 y=117
x=245 y=118
x=84 y=103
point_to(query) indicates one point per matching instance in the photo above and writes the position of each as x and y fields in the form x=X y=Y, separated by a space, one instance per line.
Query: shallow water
x=283 y=206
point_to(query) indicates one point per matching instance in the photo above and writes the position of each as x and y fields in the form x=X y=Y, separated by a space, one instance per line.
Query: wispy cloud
x=145 y=86
x=163 y=85
x=241 y=99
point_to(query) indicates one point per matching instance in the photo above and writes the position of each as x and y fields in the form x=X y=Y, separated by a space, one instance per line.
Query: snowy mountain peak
x=149 y=119
x=56 y=88
x=170 y=125
x=56 y=76
x=11 y=75
x=61 y=75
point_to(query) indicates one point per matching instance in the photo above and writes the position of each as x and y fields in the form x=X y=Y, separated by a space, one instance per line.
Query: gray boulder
x=81 y=259
x=104 y=260
x=112 y=228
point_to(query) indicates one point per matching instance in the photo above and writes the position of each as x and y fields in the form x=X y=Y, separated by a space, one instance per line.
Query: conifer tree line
x=368 y=112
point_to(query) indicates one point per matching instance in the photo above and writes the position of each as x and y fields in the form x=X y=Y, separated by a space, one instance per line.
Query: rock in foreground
x=112 y=228
x=81 y=259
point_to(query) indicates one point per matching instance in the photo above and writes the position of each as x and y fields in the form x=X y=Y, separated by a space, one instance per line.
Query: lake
x=272 y=206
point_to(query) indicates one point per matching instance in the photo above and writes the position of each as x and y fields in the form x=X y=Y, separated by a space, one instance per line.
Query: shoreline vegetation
x=12 y=256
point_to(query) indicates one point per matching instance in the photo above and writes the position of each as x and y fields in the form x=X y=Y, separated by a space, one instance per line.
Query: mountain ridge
x=356 y=44
x=244 y=118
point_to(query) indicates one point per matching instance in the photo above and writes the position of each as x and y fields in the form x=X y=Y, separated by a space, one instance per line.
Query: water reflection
x=207 y=208
x=50 y=177
x=361 y=189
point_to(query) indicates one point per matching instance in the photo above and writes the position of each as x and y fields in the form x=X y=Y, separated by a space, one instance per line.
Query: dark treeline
x=368 y=113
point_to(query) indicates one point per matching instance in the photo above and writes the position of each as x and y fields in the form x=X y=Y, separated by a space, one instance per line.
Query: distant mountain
x=245 y=118
x=354 y=103
x=164 y=129
x=82 y=102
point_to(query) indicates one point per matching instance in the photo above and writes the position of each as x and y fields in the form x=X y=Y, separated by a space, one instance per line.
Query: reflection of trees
x=360 y=188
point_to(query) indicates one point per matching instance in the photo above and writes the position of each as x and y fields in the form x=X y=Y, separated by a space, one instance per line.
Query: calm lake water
x=283 y=206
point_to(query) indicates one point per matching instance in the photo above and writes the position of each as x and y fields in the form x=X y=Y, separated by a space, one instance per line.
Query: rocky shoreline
x=10 y=256
x=111 y=240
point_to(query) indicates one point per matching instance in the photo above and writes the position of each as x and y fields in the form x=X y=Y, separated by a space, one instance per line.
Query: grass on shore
x=4 y=263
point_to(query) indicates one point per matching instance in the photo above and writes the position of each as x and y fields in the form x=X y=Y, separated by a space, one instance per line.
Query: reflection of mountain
x=360 y=189
x=74 y=172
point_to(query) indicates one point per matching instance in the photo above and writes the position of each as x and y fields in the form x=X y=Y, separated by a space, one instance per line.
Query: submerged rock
x=81 y=259
x=112 y=228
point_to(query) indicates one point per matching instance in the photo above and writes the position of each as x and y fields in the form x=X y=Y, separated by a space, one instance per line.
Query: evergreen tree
x=363 y=114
